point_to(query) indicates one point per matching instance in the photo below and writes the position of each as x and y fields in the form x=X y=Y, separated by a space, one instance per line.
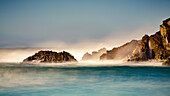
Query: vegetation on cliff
x=51 y=57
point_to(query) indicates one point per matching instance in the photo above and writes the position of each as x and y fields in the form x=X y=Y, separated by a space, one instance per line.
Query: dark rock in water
x=120 y=52
x=167 y=62
x=50 y=57
x=95 y=55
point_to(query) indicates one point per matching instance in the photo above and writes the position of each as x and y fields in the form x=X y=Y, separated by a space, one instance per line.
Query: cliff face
x=145 y=50
x=167 y=62
x=95 y=55
x=165 y=33
x=120 y=52
x=50 y=57
x=157 y=46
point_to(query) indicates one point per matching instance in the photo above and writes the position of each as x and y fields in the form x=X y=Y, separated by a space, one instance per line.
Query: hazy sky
x=53 y=23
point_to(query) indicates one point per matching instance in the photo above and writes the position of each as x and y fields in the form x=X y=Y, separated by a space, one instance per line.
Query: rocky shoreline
x=154 y=47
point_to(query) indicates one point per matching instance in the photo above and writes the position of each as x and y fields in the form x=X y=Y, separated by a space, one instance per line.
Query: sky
x=78 y=23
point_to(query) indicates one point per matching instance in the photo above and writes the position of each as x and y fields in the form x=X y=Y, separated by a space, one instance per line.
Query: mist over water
x=84 y=78
x=33 y=80
x=19 y=54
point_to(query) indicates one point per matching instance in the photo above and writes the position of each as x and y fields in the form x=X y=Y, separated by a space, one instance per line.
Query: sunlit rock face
x=143 y=50
x=160 y=41
x=50 y=57
x=120 y=52
x=157 y=46
x=95 y=55
x=165 y=32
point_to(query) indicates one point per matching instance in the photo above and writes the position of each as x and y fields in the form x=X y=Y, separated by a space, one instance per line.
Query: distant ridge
x=95 y=54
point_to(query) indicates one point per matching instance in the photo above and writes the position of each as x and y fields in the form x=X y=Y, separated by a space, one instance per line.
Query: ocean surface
x=37 y=80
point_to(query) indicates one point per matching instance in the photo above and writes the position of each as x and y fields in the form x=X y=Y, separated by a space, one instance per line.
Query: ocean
x=37 y=80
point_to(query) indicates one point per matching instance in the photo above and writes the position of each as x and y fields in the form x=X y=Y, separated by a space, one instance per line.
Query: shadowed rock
x=167 y=62
x=157 y=46
x=50 y=57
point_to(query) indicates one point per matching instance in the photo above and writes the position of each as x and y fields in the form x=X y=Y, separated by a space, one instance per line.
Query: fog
x=77 y=49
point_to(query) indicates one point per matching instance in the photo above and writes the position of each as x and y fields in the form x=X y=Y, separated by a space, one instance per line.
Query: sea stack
x=50 y=57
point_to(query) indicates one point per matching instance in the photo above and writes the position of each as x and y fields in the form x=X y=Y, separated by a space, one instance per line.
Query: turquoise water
x=31 y=80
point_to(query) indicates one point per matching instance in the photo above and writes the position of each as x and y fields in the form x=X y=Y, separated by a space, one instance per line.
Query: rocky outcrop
x=165 y=33
x=95 y=55
x=167 y=62
x=143 y=51
x=120 y=52
x=156 y=46
x=144 y=48
x=50 y=57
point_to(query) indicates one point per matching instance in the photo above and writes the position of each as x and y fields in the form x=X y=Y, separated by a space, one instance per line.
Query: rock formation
x=165 y=33
x=157 y=46
x=50 y=57
x=142 y=51
x=120 y=52
x=95 y=55
x=167 y=62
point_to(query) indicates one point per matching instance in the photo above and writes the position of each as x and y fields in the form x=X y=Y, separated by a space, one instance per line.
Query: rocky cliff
x=95 y=55
x=165 y=33
x=50 y=57
x=120 y=52
x=156 y=46
x=167 y=62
